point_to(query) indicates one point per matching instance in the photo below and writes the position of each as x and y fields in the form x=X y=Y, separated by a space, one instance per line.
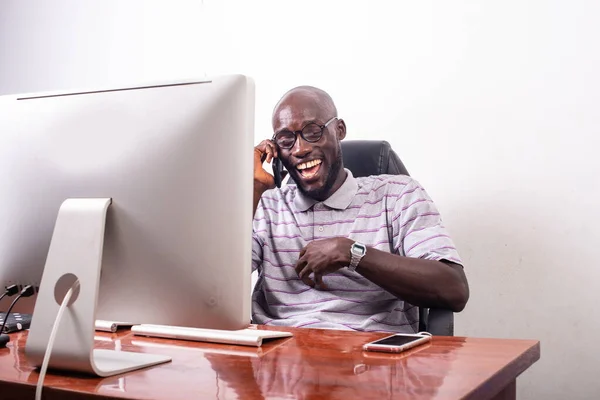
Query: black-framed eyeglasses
x=311 y=132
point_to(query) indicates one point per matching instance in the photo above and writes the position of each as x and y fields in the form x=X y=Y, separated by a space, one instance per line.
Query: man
x=334 y=251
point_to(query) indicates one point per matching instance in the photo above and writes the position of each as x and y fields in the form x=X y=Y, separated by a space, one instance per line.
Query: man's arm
x=421 y=282
x=410 y=271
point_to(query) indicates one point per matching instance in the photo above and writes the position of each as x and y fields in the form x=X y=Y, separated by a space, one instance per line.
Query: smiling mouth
x=309 y=169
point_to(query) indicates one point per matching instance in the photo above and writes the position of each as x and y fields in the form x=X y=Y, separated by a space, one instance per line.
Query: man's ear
x=341 y=129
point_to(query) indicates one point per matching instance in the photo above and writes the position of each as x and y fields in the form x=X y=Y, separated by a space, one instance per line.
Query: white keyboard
x=244 y=337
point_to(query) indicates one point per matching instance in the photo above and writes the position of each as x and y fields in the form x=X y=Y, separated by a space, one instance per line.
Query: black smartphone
x=278 y=172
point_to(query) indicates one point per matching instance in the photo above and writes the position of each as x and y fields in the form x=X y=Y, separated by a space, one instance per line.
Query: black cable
x=26 y=292
x=10 y=291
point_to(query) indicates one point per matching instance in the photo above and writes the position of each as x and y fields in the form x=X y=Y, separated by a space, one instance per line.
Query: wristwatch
x=357 y=252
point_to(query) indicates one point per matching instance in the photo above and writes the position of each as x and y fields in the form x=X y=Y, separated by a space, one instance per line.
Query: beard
x=322 y=193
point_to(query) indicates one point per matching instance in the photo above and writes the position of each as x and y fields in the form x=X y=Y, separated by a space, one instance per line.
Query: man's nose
x=301 y=147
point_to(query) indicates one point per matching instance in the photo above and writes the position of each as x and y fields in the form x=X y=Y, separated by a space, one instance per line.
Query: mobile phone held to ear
x=277 y=171
x=397 y=343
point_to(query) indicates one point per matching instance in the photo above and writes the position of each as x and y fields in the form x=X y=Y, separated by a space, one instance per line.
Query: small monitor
x=176 y=160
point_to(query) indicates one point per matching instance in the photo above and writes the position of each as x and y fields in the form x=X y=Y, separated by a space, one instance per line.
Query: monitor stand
x=76 y=253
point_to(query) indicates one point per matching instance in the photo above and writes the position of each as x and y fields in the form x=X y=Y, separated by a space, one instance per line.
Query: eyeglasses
x=311 y=133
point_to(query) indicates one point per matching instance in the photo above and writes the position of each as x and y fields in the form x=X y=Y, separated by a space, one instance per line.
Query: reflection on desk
x=315 y=364
x=334 y=369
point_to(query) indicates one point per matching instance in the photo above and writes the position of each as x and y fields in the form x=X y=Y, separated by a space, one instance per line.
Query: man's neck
x=337 y=184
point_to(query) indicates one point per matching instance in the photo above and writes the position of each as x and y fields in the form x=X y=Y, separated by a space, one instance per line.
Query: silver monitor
x=176 y=160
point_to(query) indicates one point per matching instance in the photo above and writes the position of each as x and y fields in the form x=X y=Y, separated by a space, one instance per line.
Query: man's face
x=317 y=167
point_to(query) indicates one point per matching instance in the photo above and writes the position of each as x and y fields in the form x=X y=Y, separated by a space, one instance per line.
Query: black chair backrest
x=376 y=157
x=371 y=157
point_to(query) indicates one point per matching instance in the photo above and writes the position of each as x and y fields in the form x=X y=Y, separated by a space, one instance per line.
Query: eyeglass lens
x=310 y=133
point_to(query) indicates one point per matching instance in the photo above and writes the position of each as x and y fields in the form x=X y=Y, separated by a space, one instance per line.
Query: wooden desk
x=315 y=364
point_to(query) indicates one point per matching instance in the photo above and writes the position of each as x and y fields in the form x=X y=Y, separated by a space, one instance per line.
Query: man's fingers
x=305 y=276
x=300 y=264
x=303 y=270
x=268 y=155
x=262 y=146
x=319 y=281
x=259 y=154
x=273 y=149
x=266 y=148
x=270 y=151
x=308 y=282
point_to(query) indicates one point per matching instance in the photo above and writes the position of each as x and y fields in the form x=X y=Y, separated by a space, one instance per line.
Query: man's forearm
x=421 y=282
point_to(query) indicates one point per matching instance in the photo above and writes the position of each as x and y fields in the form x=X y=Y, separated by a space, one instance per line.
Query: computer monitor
x=176 y=160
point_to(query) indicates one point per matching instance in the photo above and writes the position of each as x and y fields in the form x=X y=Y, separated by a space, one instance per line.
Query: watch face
x=358 y=249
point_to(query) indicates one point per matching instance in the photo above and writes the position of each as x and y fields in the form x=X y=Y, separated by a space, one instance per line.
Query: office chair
x=376 y=157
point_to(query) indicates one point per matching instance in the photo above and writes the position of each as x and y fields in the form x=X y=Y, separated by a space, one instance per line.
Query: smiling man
x=334 y=251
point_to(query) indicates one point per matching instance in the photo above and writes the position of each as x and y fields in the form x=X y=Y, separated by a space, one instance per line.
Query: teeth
x=308 y=164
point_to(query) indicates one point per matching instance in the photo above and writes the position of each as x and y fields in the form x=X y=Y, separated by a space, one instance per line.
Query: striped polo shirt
x=391 y=213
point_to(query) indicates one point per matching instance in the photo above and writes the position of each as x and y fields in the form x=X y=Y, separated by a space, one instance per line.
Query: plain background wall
x=493 y=107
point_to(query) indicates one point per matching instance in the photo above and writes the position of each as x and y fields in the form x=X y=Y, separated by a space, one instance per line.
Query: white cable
x=44 y=367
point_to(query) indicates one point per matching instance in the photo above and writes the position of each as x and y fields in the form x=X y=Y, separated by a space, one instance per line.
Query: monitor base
x=76 y=254
x=112 y=362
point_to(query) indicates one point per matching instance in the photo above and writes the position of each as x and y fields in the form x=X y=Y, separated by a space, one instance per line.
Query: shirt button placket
x=318 y=229
x=314 y=218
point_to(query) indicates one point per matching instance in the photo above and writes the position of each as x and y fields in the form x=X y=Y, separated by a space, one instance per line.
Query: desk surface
x=315 y=364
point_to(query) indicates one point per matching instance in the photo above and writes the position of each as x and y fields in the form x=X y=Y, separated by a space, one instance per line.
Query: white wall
x=492 y=106
x=62 y=44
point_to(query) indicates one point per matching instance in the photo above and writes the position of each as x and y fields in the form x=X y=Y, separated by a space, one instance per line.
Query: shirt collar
x=340 y=200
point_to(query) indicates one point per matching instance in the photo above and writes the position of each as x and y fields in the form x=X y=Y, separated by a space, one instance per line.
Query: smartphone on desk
x=397 y=343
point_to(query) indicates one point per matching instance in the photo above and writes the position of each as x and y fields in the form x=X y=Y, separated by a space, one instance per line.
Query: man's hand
x=263 y=180
x=321 y=257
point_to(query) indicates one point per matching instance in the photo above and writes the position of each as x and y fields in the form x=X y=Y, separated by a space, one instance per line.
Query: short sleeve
x=417 y=227
x=259 y=229
x=256 y=252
